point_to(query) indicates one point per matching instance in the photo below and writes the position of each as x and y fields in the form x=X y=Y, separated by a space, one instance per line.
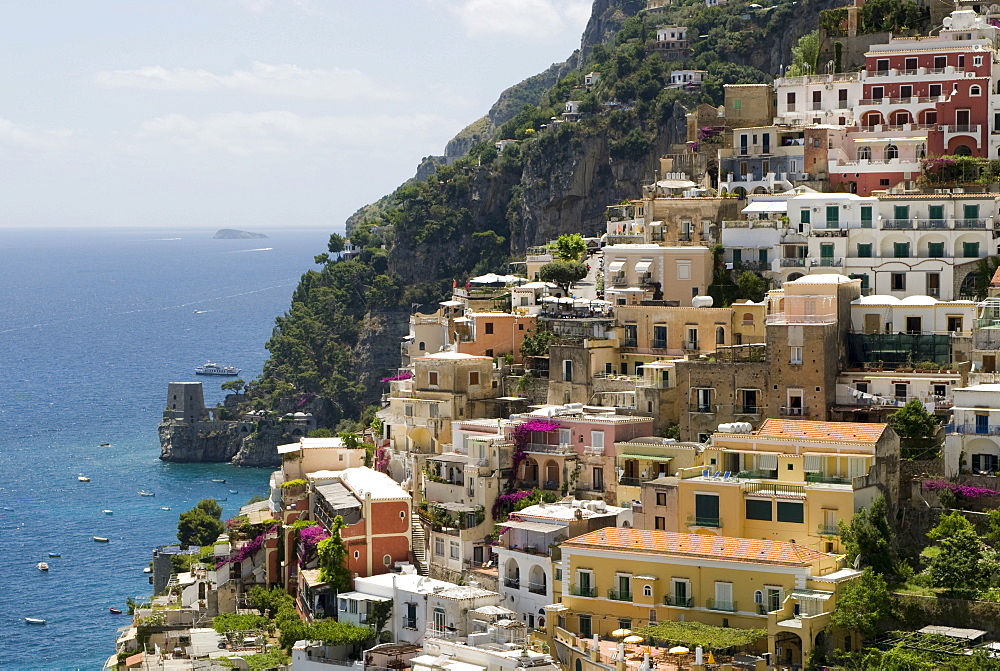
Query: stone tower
x=185 y=402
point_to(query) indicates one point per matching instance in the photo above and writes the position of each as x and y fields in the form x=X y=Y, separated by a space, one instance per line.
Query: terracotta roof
x=670 y=544
x=855 y=432
x=996 y=277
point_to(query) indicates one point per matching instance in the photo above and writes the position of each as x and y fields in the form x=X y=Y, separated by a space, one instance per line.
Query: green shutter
x=790 y=512
x=866 y=216
x=935 y=250
x=936 y=212
x=762 y=256
x=832 y=216
x=804 y=215
x=826 y=250
x=970 y=211
x=864 y=250
x=758 y=510
x=901 y=212
x=901 y=250
x=970 y=250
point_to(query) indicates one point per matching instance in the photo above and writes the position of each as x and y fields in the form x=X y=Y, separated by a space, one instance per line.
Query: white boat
x=165 y=508
x=83 y=478
x=42 y=566
x=143 y=492
x=34 y=620
x=101 y=539
x=108 y=512
x=210 y=368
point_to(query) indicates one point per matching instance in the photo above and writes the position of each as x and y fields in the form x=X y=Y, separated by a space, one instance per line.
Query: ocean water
x=93 y=325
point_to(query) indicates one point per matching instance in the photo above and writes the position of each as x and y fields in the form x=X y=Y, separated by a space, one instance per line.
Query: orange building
x=493 y=333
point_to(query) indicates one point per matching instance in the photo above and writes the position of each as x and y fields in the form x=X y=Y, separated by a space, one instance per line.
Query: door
x=680 y=593
x=873 y=323
x=724 y=595
x=962 y=118
x=989 y=363
x=598 y=479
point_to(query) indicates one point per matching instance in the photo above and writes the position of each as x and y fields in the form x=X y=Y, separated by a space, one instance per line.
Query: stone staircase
x=419 y=546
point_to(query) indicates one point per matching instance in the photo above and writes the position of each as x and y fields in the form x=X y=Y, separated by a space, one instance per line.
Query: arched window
x=864 y=153
x=421 y=346
x=921 y=150
x=975 y=90
x=962 y=150
x=891 y=152
x=647 y=590
x=387 y=560
x=720 y=336
x=758 y=597
x=748 y=319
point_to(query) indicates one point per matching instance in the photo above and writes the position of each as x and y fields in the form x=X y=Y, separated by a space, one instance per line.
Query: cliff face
x=195 y=443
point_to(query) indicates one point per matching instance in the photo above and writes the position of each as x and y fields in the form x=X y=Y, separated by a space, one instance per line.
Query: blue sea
x=93 y=325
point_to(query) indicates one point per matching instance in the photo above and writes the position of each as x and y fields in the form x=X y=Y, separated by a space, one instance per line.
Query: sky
x=251 y=114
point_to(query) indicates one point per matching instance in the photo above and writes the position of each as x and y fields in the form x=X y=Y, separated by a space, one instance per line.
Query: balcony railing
x=830 y=480
x=932 y=224
x=773 y=489
x=627 y=481
x=690 y=344
x=513 y=583
x=974 y=429
x=563 y=448
x=409 y=622
x=576 y=590
x=536 y=588
x=619 y=595
x=700 y=407
x=831 y=261
x=716 y=604
x=826 y=530
x=970 y=224
x=961 y=128
x=707 y=522
x=793 y=411
x=792 y=262
x=678 y=601
x=896 y=224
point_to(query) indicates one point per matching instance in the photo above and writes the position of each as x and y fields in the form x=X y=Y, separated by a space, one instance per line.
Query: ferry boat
x=210 y=368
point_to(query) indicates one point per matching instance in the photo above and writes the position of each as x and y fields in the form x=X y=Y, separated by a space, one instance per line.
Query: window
x=408 y=410
x=878 y=92
x=647 y=590
x=832 y=216
x=683 y=271
x=631 y=335
x=970 y=250
x=706 y=510
x=352 y=606
x=422 y=346
x=737 y=104
x=567 y=370
x=454 y=550
x=432 y=378
x=439 y=547
x=795 y=355
x=757 y=509
x=432 y=410
x=914 y=325
x=901 y=250
x=790 y=512
x=899 y=391
x=955 y=324
x=586 y=628
x=473 y=378
x=866 y=216
x=703 y=399
x=906 y=91
x=975 y=90
x=891 y=152
x=897 y=281
x=597 y=438
x=747 y=401
x=660 y=523
x=864 y=153
x=935 y=250
x=724 y=596
x=661 y=498
x=659 y=336
x=790 y=101
x=864 y=250
x=720 y=336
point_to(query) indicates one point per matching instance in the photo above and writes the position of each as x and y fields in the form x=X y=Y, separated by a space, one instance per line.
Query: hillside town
x=684 y=437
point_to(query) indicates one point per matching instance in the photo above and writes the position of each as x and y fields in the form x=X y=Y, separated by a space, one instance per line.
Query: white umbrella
x=488 y=278
x=550 y=299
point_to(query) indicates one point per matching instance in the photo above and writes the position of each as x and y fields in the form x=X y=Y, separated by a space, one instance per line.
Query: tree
x=536 y=344
x=913 y=421
x=333 y=559
x=236 y=385
x=563 y=273
x=805 y=54
x=268 y=601
x=957 y=567
x=751 y=286
x=212 y=507
x=950 y=525
x=570 y=247
x=863 y=603
x=868 y=539
x=378 y=616
x=336 y=244
x=199 y=527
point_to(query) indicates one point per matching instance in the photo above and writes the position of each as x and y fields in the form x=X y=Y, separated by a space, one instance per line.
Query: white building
x=686 y=78
x=972 y=443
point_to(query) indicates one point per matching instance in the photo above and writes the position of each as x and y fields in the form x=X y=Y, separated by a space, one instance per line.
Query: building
x=971 y=441
x=615 y=578
x=649 y=271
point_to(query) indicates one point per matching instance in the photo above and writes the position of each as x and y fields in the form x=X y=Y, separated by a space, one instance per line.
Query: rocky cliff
x=204 y=442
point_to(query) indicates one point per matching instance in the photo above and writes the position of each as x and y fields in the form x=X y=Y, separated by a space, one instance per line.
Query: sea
x=93 y=325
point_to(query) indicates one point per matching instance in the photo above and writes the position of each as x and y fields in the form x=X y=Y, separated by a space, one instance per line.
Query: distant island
x=234 y=234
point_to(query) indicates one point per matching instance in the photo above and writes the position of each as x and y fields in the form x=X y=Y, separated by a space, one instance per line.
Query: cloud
x=282 y=132
x=13 y=135
x=258 y=6
x=289 y=81
x=527 y=19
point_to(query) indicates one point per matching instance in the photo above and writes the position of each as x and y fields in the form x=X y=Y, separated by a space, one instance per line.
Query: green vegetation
x=333 y=559
x=238 y=622
x=293 y=483
x=267 y=601
x=570 y=247
x=266 y=660
x=201 y=525
x=693 y=634
x=868 y=539
x=892 y=16
x=863 y=604
x=537 y=343
x=563 y=273
x=805 y=55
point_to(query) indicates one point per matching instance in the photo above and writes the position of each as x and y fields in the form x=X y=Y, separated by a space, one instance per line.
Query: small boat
x=116 y=611
x=233 y=491
x=83 y=478
x=105 y=444
x=108 y=512
x=225 y=498
x=101 y=539
x=215 y=369
x=10 y=510
x=165 y=508
x=42 y=566
x=34 y=620
x=55 y=554
x=147 y=570
x=143 y=492
x=218 y=479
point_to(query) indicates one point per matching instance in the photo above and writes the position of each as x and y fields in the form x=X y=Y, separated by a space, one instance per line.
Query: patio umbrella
x=633 y=639
x=678 y=650
x=619 y=633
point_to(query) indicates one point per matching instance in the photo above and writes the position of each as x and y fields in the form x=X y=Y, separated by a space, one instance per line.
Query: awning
x=452 y=304
x=616 y=266
x=675 y=184
x=290 y=447
x=647 y=457
x=643 y=266
x=762 y=206
x=540 y=527
x=493 y=610
x=811 y=594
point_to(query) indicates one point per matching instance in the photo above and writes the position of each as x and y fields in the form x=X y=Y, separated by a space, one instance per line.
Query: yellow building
x=792 y=480
x=618 y=577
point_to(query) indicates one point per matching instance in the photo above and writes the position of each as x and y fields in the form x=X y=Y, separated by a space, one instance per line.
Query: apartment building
x=649 y=271
x=971 y=441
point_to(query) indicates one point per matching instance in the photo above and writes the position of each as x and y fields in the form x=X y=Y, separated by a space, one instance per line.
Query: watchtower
x=186 y=402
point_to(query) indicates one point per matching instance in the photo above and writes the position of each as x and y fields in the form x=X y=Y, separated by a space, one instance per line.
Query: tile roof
x=670 y=544
x=855 y=432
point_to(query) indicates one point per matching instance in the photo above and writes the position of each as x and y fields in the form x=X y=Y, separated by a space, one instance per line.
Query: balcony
x=690 y=345
x=960 y=128
x=725 y=606
x=773 y=489
x=589 y=592
x=543 y=448
x=536 y=588
x=826 y=530
x=933 y=224
x=793 y=411
x=896 y=224
x=792 y=262
x=970 y=224
x=619 y=595
x=678 y=601
x=974 y=429
x=409 y=622
x=747 y=409
x=707 y=522
x=831 y=261
x=627 y=481
x=513 y=583
x=825 y=479
x=700 y=407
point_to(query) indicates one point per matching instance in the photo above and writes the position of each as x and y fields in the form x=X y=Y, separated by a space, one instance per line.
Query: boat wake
x=259 y=249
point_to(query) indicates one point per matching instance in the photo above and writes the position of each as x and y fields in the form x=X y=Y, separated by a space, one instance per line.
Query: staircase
x=419 y=546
